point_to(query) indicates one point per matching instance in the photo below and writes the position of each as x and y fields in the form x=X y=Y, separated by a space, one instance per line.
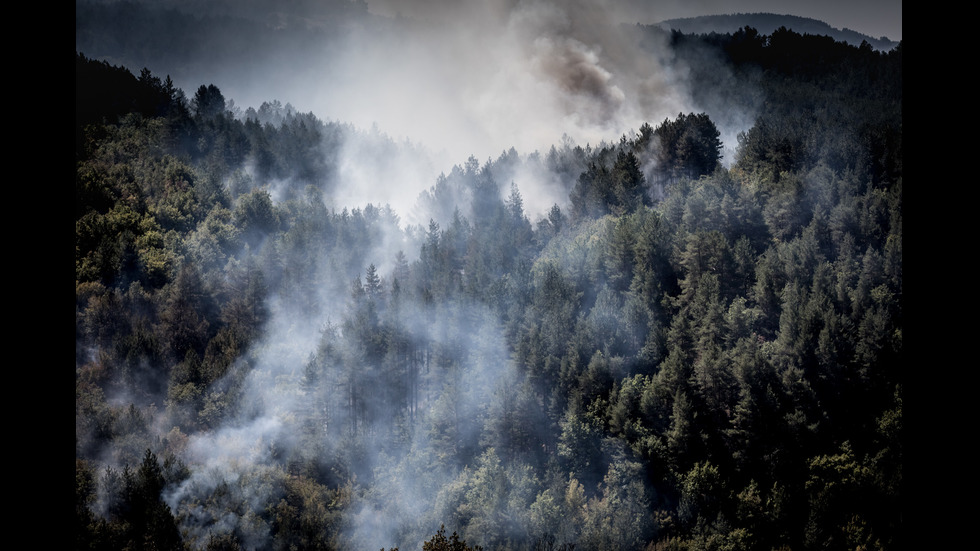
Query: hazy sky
x=547 y=67
x=476 y=77
x=874 y=18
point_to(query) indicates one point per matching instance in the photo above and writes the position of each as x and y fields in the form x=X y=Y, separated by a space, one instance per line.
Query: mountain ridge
x=766 y=23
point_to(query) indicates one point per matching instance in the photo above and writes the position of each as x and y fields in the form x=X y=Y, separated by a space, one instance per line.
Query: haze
x=461 y=79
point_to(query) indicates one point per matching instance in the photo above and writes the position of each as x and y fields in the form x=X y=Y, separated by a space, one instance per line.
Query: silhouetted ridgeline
x=767 y=23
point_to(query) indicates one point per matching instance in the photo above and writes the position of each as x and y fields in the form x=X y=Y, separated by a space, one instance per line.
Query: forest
x=681 y=354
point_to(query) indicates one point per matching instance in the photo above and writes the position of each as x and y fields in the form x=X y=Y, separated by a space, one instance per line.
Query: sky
x=483 y=68
x=874 y=18
x=477 y=77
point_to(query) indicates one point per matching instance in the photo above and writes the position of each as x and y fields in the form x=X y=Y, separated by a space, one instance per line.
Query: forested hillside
x=768 y=22
x=680 y=355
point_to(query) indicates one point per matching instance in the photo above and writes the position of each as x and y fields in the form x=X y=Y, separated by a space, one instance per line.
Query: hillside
x=766 y=23
x=680 y=351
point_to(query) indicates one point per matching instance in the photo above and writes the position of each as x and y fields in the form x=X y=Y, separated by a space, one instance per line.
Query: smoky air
x=527 y=271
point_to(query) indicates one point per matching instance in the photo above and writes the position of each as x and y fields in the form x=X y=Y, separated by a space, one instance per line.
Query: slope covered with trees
x=682 y=355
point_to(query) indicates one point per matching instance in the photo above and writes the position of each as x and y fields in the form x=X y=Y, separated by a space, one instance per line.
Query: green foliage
x=621 y=518
x=719 y=369
x=837 y=486
x=687 y=147
x=135 y=515
x=610 y=185
x=208 y=102
x=439 y=542
x=256 y=216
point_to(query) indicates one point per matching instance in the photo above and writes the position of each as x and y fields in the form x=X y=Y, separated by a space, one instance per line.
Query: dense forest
x=680 y=355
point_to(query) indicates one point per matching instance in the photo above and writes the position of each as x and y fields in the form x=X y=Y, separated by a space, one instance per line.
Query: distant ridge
x=766 y=23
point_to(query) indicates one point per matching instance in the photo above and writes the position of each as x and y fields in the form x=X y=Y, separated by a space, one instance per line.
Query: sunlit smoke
x=423 y=94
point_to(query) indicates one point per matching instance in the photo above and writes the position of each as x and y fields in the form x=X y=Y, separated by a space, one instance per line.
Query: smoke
x=236 y=466
x=512 y=74
x=482 y=78
x=448 y=79
x=373 y=169
x=440 y=83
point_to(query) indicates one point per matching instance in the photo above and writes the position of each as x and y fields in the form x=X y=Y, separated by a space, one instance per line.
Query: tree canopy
x=675 y=354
